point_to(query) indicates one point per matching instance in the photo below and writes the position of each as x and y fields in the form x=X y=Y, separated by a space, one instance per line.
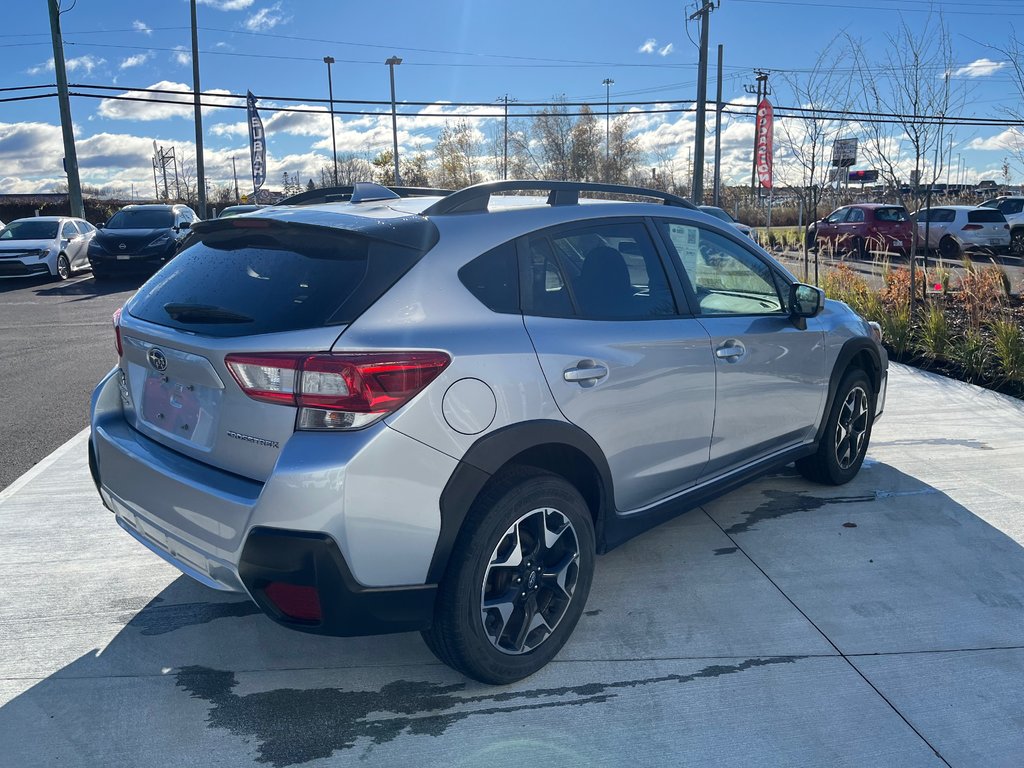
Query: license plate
x=123 y=257
x=897 y=242
x=994 y=241
x=170 y=406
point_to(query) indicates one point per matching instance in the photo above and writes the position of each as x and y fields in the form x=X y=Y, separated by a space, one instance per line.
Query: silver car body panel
x=75 y=247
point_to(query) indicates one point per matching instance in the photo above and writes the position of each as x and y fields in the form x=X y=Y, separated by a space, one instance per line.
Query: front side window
x=856 y=215
x=597 y=272
x=837 y=216
x=68 y=230
x=726 y=278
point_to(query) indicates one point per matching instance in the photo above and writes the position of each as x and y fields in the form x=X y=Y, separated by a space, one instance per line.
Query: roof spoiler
x=360 y=192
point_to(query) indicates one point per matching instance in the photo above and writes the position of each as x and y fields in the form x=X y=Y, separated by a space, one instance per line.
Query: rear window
x=985 y=216
x=891 y=214
x=242 y=284
x=142 y=219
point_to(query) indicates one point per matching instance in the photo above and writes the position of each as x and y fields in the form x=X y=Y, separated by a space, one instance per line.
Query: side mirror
x=101 y=225
x=805 y=300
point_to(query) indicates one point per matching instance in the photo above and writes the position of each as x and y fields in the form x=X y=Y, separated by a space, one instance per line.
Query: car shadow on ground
x=78 y=289
x=882 y=565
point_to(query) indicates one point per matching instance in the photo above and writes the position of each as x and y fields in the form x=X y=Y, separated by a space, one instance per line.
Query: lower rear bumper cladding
x=348 y=609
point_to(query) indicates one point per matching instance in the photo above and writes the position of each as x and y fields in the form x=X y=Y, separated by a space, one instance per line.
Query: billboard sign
x=763 y=143
x=844 y=153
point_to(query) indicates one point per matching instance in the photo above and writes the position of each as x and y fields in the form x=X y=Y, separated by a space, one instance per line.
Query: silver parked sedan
x=45 y=245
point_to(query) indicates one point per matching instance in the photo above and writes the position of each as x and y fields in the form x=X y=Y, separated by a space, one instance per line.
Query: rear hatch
x=893 y=224
x=986 y=227
x=260 y=290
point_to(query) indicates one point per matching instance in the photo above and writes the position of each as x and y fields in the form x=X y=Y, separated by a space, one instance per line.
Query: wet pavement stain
x=782 y=503
x=725 y=550
x=294 y=726
x=161 y=619
x=967 y=442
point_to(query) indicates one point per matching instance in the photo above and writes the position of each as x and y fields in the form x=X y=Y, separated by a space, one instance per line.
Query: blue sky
x=452 y=51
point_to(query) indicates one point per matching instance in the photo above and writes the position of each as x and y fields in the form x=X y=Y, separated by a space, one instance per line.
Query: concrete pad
x=791 y=712
x=971 y=704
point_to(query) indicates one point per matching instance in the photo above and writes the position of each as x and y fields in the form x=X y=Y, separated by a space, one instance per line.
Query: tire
x=63 y=268
x=1017 y=242
x=949 y=248
x=847 y=433
x=857 y=249
x=811 y=239
x=482 y=620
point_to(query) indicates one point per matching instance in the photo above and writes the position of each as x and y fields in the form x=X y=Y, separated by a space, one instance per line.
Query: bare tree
x=457 y=154
x=1013 y=53
x=624 y=155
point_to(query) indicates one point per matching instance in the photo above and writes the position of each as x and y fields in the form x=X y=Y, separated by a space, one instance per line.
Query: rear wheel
x=857 y=248
x=847 y=432
x=517 y=581
x=1017 y=242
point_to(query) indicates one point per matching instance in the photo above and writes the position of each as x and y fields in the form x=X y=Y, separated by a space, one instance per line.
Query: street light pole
x=328 y=60
x=64 y=103
x=391 y=62
x=607 y=83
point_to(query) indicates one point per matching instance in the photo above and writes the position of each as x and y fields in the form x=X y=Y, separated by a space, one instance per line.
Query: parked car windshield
x=985 y=216
x=891 y=214
x=718 y=213
x=29 y=230
x=141 y=219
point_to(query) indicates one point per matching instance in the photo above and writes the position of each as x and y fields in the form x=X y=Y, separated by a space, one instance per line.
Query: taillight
x=968 y=227
x=346 y=391
x=117 y=332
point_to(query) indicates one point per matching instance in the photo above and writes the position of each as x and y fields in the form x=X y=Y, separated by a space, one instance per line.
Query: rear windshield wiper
x=204 y=313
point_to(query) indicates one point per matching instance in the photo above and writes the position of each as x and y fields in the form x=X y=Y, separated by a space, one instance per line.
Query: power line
x=894 y=8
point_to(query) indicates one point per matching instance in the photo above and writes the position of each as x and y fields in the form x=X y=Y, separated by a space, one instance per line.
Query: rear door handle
x=584 y=373
x=729 y=352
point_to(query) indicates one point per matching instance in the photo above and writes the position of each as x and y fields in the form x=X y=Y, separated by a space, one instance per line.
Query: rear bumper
x=320 y=520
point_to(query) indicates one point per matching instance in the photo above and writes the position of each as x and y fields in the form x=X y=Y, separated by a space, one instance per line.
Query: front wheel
x=847 y=432
x=63 y=268
x=518 y=579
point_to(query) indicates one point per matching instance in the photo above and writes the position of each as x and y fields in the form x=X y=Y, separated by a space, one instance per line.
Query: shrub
x=896 y=329
x=844 y=284
x=982 y=292
x=896 y=292
x=933 y=335
x=1008 y=344
x=971 y=352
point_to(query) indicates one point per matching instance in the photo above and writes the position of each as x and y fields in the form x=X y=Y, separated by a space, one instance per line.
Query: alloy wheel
x=63 y=268
x=852 y=428
x=529 y=581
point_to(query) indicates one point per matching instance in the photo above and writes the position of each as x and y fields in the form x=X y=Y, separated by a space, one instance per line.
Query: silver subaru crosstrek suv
x=399 y=412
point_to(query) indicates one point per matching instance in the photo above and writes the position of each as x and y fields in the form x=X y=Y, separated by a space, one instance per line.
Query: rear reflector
x=117 y=332
x=345 y=391
x=295 y=601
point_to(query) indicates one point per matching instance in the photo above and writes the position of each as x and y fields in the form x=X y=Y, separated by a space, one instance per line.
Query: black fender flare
x=489 y=454
x=850 y=350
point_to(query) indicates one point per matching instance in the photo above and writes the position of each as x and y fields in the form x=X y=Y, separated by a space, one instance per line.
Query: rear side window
x=942 y=215
x=494 y=279
x=891 y=214
x=241 y=284
x=985 y=216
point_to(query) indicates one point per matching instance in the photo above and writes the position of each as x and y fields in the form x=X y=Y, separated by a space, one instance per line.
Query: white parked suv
x=1012 y=207
x=433 y=413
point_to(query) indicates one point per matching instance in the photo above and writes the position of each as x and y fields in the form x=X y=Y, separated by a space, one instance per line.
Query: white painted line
x=44 y=464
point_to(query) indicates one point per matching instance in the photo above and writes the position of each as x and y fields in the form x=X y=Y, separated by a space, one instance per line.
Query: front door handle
x=585 y=373
x=730 y=351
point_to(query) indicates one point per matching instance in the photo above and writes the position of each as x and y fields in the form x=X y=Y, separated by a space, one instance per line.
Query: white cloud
x=135 y=61
x=85 y=64
x=980 y=68
x=648 y=47
x=182 y=56
x=227 y=5
x=666 y=50
x=141 y=26
x=146 y=108
x=266 y=18
x=1011 y=139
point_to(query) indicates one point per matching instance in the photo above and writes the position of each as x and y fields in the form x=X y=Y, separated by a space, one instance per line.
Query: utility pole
x=70 y=154
x=718 y=132
x=328 y=60
x=703 y=13
x=504 y=158
x=234 y=172
x=763 y=90
x=391 y=62
x=607 y=83
x=200 y=166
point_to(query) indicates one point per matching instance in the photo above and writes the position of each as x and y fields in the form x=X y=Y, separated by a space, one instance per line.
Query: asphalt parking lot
x=880 y=623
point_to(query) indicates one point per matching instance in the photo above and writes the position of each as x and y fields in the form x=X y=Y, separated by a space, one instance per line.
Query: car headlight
x=164 y=239
x=876 y=331
x=40 y=253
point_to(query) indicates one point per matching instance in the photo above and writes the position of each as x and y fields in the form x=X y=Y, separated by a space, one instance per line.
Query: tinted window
x=1012 y=206
x=936 y=215
x=84 y=227
x=68 y=230
x=546 y=294
x=718 y=213
x=856 y=215
x=142 y=219
x=837 y=216
x=30 y=230
x=985 y=216
x=726 y=278
x=891 y=214
x=494 y=279
x=232 y=284
x=613 y=271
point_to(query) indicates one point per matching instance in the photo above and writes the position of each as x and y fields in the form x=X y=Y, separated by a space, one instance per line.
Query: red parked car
x=862 y=229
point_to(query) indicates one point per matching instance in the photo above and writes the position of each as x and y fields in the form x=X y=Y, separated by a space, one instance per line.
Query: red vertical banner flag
x=763 y=142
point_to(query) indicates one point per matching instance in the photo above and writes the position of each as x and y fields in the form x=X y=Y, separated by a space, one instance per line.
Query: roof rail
x=362 y=191
x=476 y=198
